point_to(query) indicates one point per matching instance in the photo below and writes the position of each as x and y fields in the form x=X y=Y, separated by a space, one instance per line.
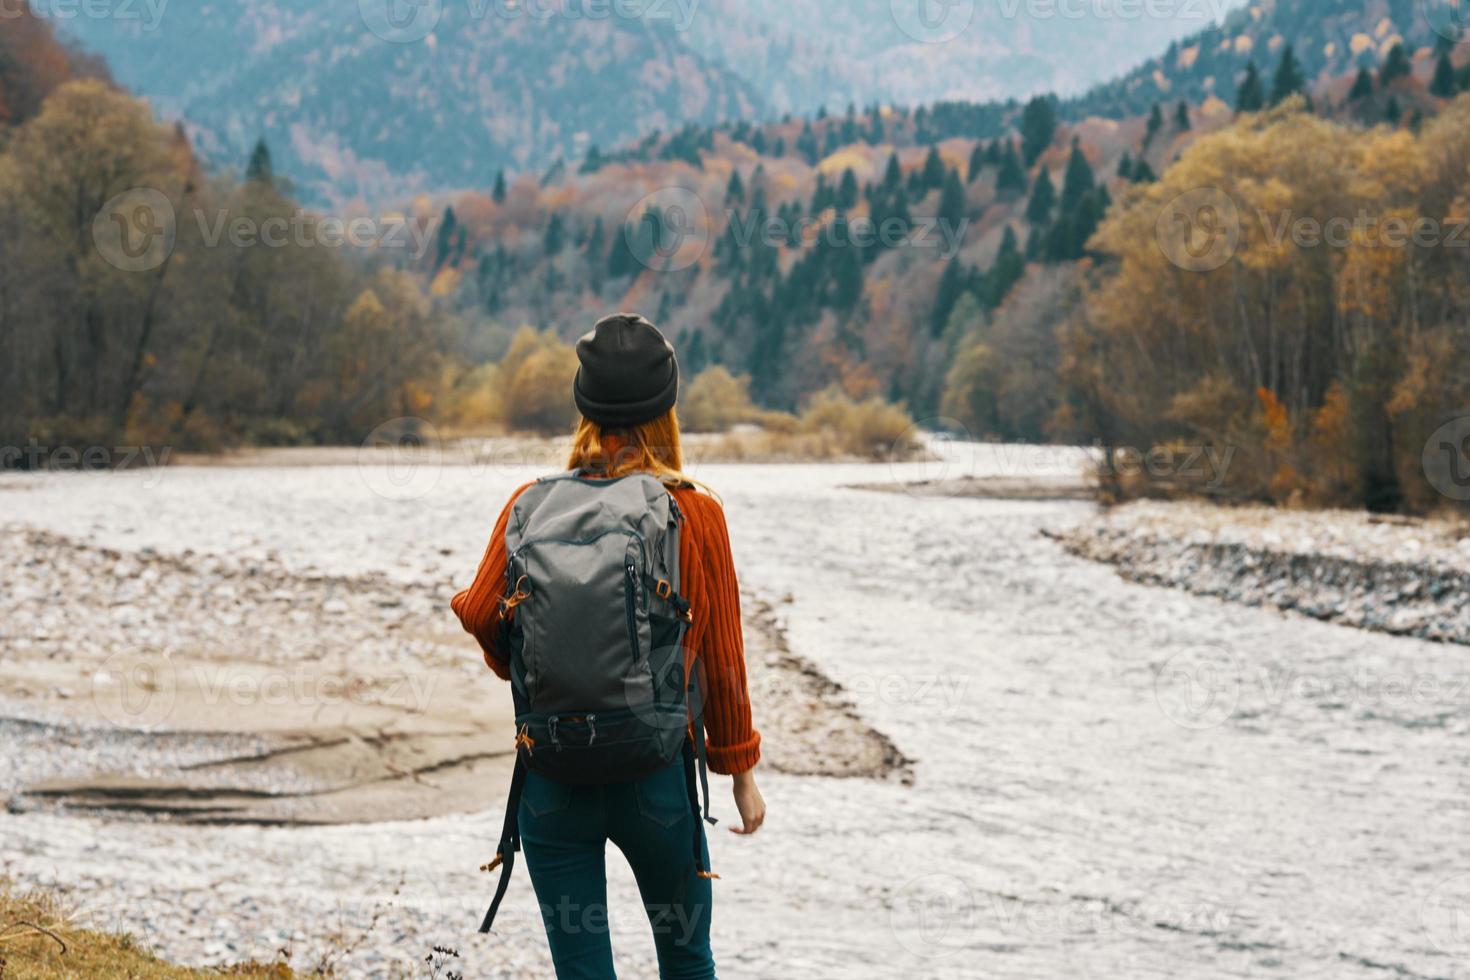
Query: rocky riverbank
x=216 y=690
x=1402 y=576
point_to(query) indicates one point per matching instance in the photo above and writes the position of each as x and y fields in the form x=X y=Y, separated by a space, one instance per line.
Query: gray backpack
x=595 y=625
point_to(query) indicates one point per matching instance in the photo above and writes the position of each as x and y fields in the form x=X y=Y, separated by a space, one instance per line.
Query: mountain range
x=377 y=99
x=1329 y=38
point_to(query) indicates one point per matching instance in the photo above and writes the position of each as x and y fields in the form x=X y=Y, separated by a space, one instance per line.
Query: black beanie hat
x=628 y=375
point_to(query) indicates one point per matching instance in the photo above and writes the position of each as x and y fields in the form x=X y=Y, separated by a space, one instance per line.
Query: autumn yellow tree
x=1283 y=292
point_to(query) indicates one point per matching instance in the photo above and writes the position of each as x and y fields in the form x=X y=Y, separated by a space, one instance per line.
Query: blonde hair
x=650 y=447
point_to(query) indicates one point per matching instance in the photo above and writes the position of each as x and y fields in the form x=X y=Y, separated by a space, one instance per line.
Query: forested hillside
x=756 y=246
x=1329 y=39
x=996 y=267
x=355 y=107
x=130 y=316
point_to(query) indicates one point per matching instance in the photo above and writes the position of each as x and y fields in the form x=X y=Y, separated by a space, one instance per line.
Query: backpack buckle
x=521 y=594
x=663 y=588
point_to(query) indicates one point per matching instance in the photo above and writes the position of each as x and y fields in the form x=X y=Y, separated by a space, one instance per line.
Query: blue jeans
x=564 y=835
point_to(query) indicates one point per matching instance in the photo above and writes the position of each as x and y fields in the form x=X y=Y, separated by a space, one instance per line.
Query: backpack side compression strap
x=510 y=841
x=696 y=778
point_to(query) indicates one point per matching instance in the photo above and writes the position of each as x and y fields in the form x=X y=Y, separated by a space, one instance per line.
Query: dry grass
x=39 y=941
x=773 y=446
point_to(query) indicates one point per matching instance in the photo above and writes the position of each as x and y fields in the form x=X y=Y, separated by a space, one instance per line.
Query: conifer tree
x=1155 y=123
x=1249 y=96
x=847 y=191
x=847 y=277
x=977 y=162
x=1444 y=83
x=1043 y=198
x=915 y=184
x=952 y=201
x=1394 y=67
x=876 y=133
x=1362 y=86
x=1038 y=126
x=620 y=259
x=735 y=189
x=933 y=170
x=1288 y=78
x=1035 y=244
x=806 y=145
x=1078 y=179
x=260 y=168
x=499 y=193
x=893 y=175
x=1007 y=270
x=1181 y=116
x=822 y=197
x=595 y=240
x=1012 y=177
x=951 y=288
x=556 y=235
x=447 y=226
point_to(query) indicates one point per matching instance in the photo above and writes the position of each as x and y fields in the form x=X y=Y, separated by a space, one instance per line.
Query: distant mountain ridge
x=914 y=52
x=1328 y=37
x=350 y=115
x=482 y=85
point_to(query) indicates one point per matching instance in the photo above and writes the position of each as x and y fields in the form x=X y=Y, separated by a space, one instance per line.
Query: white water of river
x=1110 y=780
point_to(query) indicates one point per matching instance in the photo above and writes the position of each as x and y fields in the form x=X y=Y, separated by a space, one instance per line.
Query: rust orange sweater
x=714 y=638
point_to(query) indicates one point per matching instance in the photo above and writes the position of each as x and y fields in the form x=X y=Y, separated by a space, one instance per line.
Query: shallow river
x=1110 y=780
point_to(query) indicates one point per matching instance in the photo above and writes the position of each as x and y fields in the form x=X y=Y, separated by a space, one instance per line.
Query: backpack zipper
x=630 y=603
x=527 y=545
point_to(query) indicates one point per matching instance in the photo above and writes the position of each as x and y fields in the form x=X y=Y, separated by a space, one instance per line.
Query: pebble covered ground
x=69 y=609
x=1396 y=575
x=1088 y=790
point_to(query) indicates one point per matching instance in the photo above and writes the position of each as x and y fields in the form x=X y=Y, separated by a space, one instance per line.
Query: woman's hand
x=750 y=804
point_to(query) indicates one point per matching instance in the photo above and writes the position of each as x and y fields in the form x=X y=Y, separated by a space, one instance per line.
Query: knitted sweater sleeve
x=478 y=607
x=715 y=642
